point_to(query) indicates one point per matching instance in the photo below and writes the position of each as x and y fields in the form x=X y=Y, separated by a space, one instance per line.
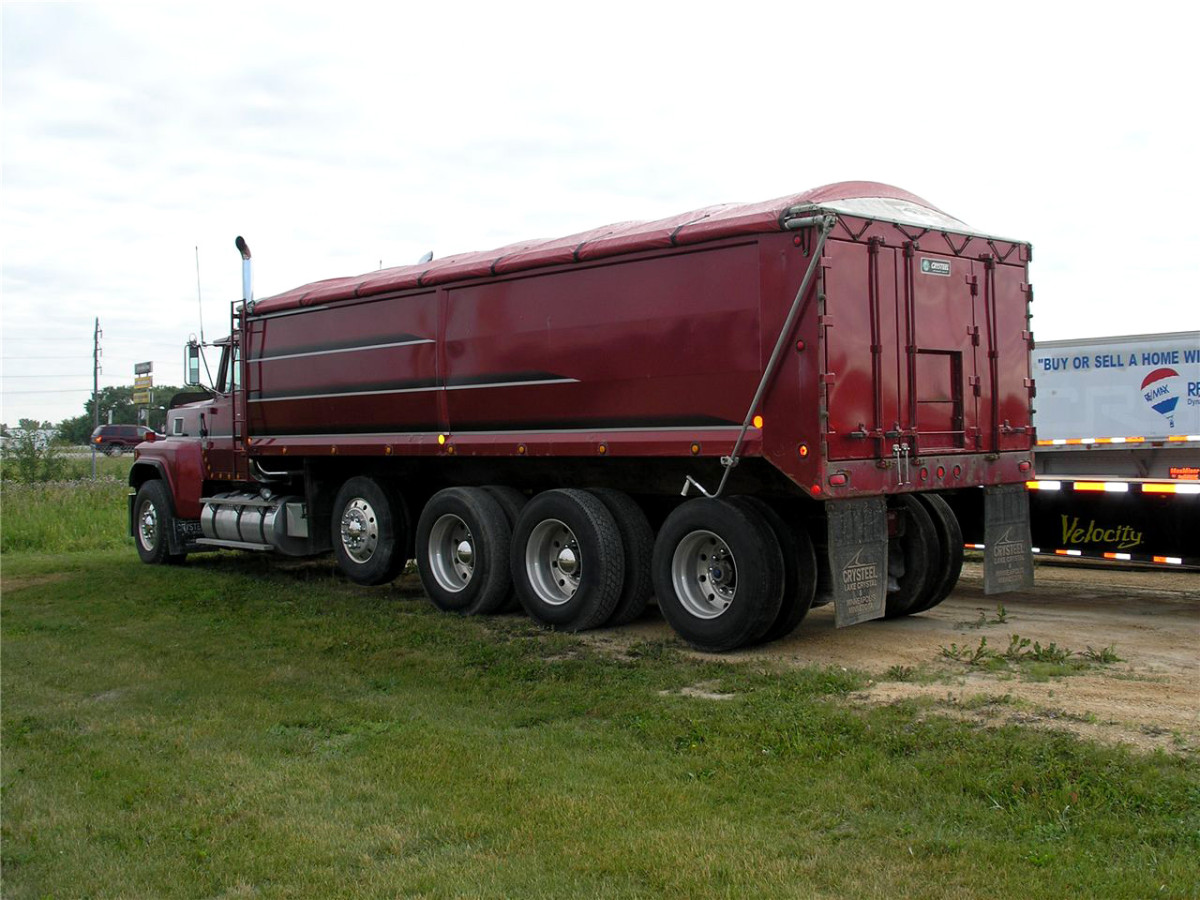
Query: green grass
x=70 y=515
x=242 y=726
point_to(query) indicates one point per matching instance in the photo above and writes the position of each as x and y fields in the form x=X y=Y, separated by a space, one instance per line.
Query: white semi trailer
x=1118 y=448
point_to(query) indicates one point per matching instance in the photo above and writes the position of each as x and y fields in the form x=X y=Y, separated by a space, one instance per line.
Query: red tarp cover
x=706 y=224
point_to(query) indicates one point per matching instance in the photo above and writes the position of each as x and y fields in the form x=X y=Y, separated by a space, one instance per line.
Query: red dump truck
x=739 y=411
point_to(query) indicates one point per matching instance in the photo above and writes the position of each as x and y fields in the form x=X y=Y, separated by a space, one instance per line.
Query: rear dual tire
x=567 y=560
x=718 y=574
x=463 y=540
x=799 y=567
x=929 y=553
x=950 y=552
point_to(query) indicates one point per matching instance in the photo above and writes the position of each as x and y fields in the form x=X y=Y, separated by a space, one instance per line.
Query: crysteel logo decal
x=935 y=266
x=860 y=576
x=1009 y=546
x=1123 y=536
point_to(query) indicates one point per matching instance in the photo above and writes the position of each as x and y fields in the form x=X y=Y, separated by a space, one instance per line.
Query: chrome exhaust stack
x=247 y=280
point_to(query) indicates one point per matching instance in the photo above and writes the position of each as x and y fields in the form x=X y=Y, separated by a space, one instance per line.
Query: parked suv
x=116 y=439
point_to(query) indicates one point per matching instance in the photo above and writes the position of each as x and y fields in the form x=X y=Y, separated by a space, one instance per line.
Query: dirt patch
x=1150 y=699
x=704 y=691
x=9 y=583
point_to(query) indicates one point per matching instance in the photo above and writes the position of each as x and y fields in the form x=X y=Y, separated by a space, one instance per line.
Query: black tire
x=912 y=558
x=799 y=568
x=637 y=540
x=463 y=543
x=718 y=574
x=153 y=520
x=369 y=530
x=512 y=502
x=950 y=551
x=567 y=560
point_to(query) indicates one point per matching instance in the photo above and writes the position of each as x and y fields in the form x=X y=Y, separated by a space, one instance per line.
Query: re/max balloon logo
x=1161 y=390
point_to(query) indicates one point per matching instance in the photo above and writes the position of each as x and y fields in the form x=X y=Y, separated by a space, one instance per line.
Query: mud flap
x=182 y=538
x=1008 y=554
x=858 y=544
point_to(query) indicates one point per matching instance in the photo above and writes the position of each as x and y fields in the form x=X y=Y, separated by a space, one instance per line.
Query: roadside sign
x=143 y=368
x=141 y=398
x=143 y=381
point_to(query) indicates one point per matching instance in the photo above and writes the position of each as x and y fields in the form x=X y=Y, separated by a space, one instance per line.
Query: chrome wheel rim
x=704 y=574
x=553 y=562
x=147 y=518
x=360 y=530
x=451 y=553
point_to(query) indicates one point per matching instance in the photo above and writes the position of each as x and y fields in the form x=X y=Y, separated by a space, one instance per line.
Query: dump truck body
x=844 y=345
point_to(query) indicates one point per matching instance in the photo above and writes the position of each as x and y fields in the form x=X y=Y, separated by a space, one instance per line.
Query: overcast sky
x=337 y=137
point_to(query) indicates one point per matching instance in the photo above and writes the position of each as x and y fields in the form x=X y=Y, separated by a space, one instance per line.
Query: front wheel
x=152 y=523
x=370 y=531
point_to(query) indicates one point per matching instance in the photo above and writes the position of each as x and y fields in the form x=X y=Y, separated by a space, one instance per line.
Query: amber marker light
x=695 y=449
x=441 y=439
x=602 y=449
x=520 y=449
x=758 y=421
x=802 y=450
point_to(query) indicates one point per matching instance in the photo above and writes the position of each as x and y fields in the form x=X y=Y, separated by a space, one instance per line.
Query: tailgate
x=924 y=349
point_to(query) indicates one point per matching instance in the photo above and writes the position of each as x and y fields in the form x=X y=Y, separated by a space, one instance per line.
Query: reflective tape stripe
x=1121 y=556
x=1112 y=487
x=1170 y=560
x=1069 y=552
x=1170 y=488
x=1127 y=439
x=1043 y=485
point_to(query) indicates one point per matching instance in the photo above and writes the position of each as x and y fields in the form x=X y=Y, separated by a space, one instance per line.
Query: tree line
x=119 y=400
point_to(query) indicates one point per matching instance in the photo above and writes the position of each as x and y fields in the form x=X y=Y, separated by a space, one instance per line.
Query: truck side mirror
x=191 y=363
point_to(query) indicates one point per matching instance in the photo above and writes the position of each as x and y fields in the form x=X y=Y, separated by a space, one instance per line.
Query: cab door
x=222 y=422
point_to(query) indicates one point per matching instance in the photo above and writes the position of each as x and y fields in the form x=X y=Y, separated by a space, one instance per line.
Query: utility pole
x=95 y=390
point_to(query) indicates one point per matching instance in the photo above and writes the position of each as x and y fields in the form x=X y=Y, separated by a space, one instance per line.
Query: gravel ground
x=1151 y=618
